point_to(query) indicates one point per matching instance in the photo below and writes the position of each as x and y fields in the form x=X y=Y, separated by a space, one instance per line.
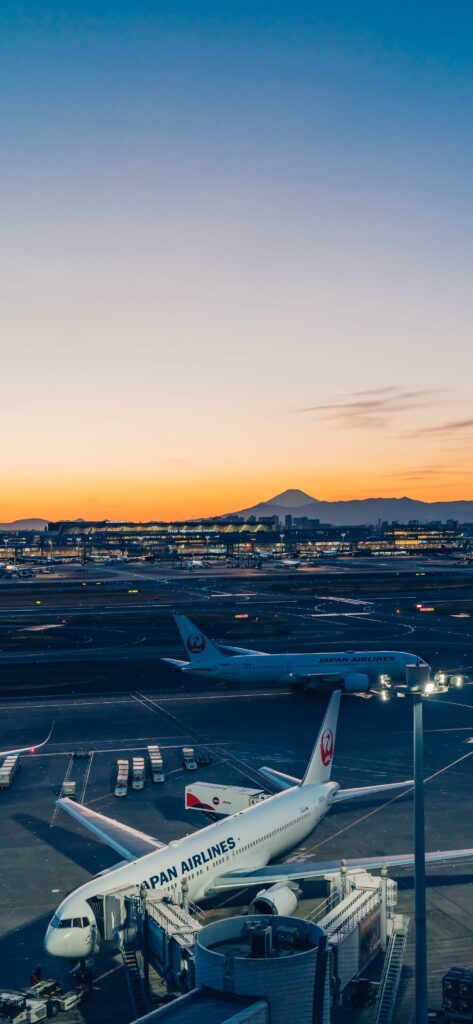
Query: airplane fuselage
x=249 y=839
x=253 y=668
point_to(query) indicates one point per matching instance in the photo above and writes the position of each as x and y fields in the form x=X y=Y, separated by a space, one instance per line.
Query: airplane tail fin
x=320 y=764
x=199 y=649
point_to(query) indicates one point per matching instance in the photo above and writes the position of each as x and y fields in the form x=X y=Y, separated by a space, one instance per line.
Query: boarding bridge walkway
x=343 y=918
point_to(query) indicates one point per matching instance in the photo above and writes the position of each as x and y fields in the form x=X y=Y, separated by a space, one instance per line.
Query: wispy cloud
x=451 y=427
x=375 y=407
x=429 y=472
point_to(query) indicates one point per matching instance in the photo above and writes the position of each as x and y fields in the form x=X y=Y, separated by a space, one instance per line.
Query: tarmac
x=113 y=703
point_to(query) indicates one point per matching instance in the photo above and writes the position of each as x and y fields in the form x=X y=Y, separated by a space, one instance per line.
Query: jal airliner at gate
x=227 y=855
x=352 y=671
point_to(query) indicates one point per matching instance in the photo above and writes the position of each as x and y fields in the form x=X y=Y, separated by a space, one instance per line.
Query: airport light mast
x=419 y=685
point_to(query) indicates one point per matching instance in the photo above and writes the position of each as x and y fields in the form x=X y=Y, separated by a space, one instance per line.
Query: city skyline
x=237 y=256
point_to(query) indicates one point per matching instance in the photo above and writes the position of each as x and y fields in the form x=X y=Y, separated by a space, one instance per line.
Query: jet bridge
x=359 y=920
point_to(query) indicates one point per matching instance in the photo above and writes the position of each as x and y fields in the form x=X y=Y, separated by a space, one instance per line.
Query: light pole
x=418 y=680
x=419 y=685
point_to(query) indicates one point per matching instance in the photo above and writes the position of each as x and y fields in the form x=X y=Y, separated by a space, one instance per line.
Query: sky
x=236 y=254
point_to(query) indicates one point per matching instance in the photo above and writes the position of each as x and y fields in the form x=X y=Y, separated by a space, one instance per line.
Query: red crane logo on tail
x=326 y=747
x=195 y=643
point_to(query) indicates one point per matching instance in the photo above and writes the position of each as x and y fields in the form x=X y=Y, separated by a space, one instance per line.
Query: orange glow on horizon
x=144 y=500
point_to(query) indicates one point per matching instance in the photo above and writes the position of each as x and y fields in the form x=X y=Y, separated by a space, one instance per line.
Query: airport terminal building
x=231 y=541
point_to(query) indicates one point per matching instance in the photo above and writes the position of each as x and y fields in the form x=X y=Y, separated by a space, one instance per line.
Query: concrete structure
x=267 y=970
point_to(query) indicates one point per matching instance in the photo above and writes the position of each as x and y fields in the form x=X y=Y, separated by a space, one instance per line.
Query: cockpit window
x=69 y=922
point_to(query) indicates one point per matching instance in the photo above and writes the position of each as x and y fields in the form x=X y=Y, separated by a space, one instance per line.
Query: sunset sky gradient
x=237 y=254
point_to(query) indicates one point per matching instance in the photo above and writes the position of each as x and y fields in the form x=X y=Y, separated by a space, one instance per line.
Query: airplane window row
x=241 y=849
x=275 y=831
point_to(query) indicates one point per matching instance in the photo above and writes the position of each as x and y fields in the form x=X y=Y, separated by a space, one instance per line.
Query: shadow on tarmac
x=86 y=853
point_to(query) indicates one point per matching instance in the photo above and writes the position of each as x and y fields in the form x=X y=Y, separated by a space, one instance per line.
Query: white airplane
x=353 y=671
x=30 y=749
x=226 y=855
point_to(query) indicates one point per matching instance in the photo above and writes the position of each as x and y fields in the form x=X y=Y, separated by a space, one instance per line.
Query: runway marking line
x=187 y=731
x=86 y=779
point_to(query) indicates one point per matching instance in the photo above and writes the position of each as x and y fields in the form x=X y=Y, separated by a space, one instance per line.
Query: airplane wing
x=238 y=650
x=127 y=841
x=282 y=781
x=279 y=779
x=361 y=791
x=310 y=869
x=28 y=750
x=175 y=662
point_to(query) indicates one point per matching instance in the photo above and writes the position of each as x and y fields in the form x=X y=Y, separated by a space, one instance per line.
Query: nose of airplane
x=68 y=943
x=53 y=942
x=73 y=928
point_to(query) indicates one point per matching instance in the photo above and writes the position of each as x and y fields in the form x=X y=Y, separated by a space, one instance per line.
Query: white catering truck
x=156 y=763
x=138 y=773
x=211 y=797
x=121 y=785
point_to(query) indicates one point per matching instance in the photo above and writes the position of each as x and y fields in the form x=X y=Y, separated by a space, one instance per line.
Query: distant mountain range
x=362 y=512
x=24 y=524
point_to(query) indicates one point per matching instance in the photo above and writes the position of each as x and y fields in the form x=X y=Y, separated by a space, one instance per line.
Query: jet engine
x=356 y=682
x=278 y=899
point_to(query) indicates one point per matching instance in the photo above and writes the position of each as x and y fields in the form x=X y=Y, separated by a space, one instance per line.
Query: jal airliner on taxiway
x=352 y=671
x=225 y=856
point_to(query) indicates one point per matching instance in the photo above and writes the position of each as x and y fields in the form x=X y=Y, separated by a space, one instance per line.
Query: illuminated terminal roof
x=195 y=527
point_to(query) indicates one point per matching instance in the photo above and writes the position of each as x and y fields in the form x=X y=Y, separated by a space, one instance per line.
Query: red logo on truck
x=326 y=747
x=195 y=643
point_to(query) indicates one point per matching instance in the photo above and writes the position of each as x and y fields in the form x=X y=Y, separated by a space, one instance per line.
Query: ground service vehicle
x=138 y=773
x=121 y=785
x=188 y=757
x=68 y=788
x=8 y=770
x=220 y=800
x=16 y=1008
x=156 y=764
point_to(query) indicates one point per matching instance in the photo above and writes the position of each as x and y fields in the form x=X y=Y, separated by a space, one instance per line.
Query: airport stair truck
x=138 y=773
x=8 y=770
x=134 y=981
x=121 y=785
x=391 y=976
x=156 y=764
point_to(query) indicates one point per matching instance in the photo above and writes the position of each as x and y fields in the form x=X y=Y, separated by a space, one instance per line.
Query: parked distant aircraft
x=353 y=671
x=225 y=856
